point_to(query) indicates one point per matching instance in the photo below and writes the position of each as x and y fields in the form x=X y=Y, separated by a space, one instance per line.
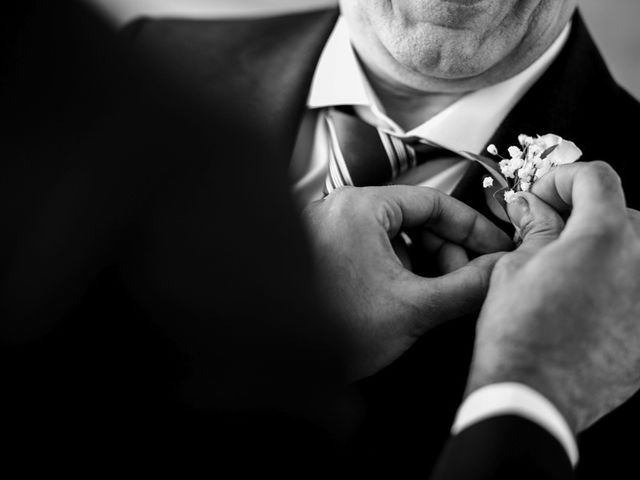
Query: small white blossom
x=487 y=182
x=515 y=152
x=535 y=150
x=517 y=163
x=543 y=169
x=524 y=140
x=509 y=196
x=538 y=162
x=525 y=172
x=506 y=169
x=525 y=186
x=492 y=149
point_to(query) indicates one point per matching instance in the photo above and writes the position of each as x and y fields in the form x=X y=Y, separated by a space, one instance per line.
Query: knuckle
x=547 y=226
x=603 y=171
x=610 y=227
x=503 y=267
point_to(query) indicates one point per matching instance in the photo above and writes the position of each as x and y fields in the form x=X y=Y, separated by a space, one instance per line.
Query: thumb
x=537 y=224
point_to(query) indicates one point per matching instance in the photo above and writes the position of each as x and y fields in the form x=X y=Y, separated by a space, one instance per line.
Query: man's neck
x=407 y=107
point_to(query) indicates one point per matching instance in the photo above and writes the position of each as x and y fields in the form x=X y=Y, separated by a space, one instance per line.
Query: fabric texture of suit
x=262 y=69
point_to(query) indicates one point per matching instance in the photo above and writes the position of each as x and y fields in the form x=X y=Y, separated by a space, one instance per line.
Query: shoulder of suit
x=222 y=34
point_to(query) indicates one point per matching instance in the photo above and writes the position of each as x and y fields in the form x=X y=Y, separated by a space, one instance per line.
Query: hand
x=563 y=310
x=385 y=306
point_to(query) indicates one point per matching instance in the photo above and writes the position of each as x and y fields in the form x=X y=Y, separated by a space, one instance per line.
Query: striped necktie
x=363 y=155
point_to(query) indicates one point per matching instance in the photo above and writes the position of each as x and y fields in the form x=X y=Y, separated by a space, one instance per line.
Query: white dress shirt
x=468 y=124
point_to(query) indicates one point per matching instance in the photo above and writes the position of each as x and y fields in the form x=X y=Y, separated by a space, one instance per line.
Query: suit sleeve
x=503 y=447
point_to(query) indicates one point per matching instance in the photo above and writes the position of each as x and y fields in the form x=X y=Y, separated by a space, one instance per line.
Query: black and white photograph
x=320 y=239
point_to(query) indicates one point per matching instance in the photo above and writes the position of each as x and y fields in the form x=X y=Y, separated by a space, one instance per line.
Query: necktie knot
x=362 y=154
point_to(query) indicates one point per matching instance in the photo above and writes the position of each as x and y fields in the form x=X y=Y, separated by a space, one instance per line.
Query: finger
x=448 y=256
x=591 y=191
x=537 y=223
x=451 y=257
x=454 y=294
x=449 y=218
x=429 y=241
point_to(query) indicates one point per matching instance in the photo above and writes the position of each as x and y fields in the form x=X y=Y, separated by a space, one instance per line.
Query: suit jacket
x=262 y=69
x=150 y=298
x=503 y=447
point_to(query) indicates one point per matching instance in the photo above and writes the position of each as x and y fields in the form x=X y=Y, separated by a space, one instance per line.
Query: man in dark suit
x=124 y=320
x=530 y=66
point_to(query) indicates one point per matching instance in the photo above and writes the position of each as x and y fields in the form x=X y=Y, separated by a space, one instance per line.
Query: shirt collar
x=467 y=124
x=339 y=79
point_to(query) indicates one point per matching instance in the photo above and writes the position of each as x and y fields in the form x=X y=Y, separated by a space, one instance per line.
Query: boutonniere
x=531 y=160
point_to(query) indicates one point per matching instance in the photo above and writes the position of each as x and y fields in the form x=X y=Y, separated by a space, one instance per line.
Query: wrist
x=542 y=378
x=516 y=399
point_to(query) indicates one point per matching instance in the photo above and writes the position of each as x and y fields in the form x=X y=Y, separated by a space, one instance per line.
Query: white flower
x=517 y=163
x=524 y=140
x=565 y=152
x=515 y=152
x=535 y=150
x=509 y=196
x=543 y=169
x=538 y=162
x=535 y=159
x=548 y=140
x=526 y=171
x=506 y=169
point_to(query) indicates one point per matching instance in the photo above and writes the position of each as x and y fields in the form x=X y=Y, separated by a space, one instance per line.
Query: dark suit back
x=155 y=309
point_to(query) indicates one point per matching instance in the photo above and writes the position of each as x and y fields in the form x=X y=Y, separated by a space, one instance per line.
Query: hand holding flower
x=533 y=159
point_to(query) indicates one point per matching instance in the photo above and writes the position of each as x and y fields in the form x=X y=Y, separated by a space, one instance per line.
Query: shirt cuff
x=516 y=399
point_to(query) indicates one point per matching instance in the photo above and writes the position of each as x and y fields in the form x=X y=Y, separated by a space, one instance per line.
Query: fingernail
x=518 y=210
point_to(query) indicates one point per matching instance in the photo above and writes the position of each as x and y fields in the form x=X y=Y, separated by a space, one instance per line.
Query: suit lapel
x=566 y=100
x=555 y=104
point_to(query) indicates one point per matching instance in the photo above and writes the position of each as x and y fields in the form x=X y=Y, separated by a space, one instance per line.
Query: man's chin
x=452 y=14
x=445 y=65
x=460 y=79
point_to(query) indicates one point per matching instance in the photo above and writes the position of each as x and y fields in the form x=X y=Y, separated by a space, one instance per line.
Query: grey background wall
x=614 y=23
